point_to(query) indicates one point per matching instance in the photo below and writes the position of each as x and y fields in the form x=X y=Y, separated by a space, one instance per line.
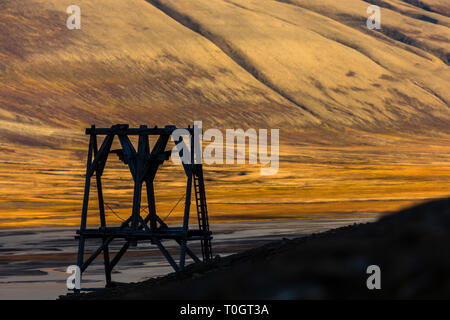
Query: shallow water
x=33 y=261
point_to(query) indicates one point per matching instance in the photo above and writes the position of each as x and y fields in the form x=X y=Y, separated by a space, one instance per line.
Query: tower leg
x=87 y=186
x=136 y=203
x=151 y=205
x=187 y=207
x=101 y=207
x=166 y=254
x=118 y=255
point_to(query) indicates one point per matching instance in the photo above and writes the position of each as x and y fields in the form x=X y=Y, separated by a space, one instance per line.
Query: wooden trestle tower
x=143 y=165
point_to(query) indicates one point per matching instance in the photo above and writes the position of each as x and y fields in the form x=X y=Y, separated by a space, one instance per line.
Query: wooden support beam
x=166 y=254
x=190 y=253
x=101 y=156
x=151 y=205
x=181 y=146
x=95 y=254
x=124 y=130
x=87 y=186
x=156 y=158
x=129 y=154
x=144 y=225
x=101 y=206
x=119 y=255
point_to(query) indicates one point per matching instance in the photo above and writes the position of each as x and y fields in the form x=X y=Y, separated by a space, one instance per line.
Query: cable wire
x=146 y=208
x=174 y=207
x=110 y=209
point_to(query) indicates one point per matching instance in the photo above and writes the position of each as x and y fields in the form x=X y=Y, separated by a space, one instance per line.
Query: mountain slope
x=338 y=73
x=134 y=67
x=363 y=115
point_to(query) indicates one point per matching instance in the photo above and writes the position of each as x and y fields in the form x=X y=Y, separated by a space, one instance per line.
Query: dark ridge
x=388 y=33
x=386 y=5
x=398 y=36
x=359 y=22
x=419 y=4
x=425 y=18
x=434 y=93
x=401 y=37
x=236 y=55
x=380 y=3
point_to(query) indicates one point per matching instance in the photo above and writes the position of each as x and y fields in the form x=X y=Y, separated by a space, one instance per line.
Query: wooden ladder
x=202 y=211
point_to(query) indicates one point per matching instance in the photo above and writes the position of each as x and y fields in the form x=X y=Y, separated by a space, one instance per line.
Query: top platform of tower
x=124 y=129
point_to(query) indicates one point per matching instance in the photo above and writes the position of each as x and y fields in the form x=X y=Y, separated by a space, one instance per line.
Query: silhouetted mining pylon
x=143 y=166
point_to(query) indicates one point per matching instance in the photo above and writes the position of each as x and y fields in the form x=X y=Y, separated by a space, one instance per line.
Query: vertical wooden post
x=87 y=186
x=187 y=204
x=131 y=158
x=151 y=204
x=101 y=207
x=139 y=168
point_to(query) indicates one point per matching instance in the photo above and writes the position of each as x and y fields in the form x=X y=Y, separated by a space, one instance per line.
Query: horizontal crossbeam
x=144 y=235
x=124 y=130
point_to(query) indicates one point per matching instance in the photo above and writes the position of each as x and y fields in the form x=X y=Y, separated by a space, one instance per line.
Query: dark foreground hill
x=410 y=247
